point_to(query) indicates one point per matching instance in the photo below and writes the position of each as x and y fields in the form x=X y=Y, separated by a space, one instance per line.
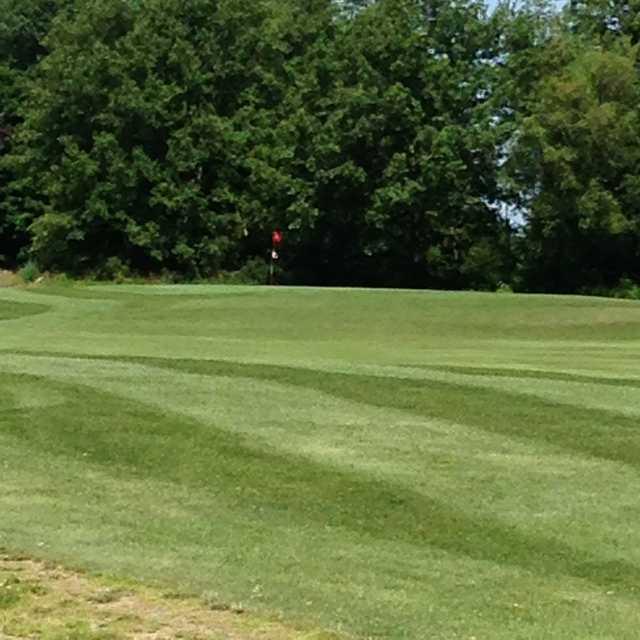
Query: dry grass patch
x=38 y=600
x=9 y=279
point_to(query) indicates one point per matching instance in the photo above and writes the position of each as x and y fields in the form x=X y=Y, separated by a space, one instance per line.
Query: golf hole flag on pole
x=276 y=241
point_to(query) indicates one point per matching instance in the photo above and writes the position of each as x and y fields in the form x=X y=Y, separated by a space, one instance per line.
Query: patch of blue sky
x=493 y=3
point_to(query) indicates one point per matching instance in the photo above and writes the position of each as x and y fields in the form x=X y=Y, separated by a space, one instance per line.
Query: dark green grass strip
x=13 y=310
x=527 y=374
x=127 y=439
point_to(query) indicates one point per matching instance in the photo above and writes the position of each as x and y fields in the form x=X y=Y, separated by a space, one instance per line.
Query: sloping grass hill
x=382 y=464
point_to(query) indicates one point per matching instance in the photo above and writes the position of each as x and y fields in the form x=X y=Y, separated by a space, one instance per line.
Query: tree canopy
x=396 y=142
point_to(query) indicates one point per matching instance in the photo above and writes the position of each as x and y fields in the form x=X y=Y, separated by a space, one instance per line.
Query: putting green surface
x=382 y=464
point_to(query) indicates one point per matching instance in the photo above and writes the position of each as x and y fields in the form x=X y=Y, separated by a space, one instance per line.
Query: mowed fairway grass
x=383 y=464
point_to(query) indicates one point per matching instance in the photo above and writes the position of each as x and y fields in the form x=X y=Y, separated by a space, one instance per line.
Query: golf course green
x=373 y=463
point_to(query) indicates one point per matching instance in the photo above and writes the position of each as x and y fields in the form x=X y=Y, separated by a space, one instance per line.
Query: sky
x=493 y=3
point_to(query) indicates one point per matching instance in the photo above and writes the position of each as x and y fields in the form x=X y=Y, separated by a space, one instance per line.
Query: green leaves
x=402 y=147
x=578 y=155
x=175 y=137
x=386 y=138
x=136 y=113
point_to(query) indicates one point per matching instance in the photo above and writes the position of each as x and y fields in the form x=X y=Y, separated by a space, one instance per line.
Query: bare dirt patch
x=47 y=602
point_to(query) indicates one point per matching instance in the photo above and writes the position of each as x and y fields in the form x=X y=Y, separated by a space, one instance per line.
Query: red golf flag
x=276 y=238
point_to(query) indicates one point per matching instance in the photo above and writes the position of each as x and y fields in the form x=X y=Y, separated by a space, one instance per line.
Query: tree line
x=421 y=143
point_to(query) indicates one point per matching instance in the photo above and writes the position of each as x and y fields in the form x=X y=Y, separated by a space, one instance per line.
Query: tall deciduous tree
x=396 y=146
x=135 y=142
x=578 y=161
x=23 y=26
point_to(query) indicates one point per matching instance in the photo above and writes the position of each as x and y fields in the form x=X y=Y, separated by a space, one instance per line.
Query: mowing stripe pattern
x=379 y=464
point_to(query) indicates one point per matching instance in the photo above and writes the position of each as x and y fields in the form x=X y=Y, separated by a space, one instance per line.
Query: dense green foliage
x=389 y=139
x=579 y=154
x=23 y=27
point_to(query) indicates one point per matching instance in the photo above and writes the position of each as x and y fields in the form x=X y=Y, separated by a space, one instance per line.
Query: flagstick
x=276 y=241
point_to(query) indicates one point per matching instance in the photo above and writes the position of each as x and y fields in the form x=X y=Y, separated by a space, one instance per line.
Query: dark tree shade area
x=421 y=143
